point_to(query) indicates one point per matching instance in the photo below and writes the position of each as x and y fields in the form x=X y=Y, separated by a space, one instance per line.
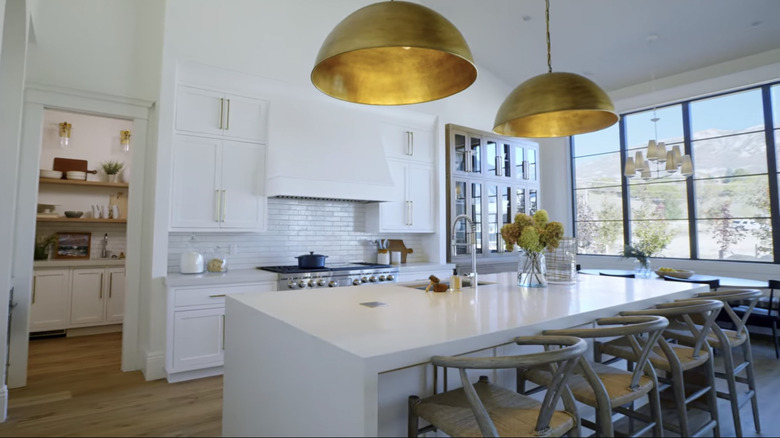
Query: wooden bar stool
x=766 y=313
x=485 y=409
x=725 y=341
x=677 y=359
x=610 y=389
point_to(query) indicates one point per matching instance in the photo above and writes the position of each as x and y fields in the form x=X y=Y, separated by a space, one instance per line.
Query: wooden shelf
x=73 y=182
x=82 y=220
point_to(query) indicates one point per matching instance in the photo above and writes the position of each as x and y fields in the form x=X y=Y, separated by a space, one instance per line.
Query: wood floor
x=75 y=388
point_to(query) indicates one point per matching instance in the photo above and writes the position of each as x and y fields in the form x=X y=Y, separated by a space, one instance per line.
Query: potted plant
x=43 y=246
x=532 y=234
x=112 y=169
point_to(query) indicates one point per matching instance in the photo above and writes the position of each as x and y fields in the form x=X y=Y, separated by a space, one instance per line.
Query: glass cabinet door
x=459 y=153
x=467 y=200
x=531 y=159
x=476 y=155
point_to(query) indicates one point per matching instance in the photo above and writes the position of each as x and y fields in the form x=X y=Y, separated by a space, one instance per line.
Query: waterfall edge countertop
x=287 y=351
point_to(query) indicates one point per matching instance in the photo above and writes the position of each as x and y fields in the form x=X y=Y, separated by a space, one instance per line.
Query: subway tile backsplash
x=295 y=227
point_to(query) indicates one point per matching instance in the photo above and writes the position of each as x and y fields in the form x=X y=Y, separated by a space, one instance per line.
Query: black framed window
x=729 y=208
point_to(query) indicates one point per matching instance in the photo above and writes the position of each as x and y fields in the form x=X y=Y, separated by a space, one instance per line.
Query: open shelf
x=82 y=220
x=73 y=182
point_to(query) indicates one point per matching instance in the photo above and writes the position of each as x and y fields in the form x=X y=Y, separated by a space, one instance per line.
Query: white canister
x=395 y=258
x=191 y=262
x=382 y=257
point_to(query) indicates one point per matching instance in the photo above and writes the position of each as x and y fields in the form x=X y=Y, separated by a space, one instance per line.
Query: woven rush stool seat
x=486 y=409
x=726 y=341
x=610 y=389
x=676 y=359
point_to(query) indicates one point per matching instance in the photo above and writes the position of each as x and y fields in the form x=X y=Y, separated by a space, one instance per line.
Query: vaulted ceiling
x=607 y=40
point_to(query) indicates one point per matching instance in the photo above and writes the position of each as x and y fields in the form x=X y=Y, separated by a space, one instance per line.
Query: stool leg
x=412 y=419
x=654 y=400
x=712 y=395
x=774 y=338
x=747 y=352
x=679 y=399
x=728 y=372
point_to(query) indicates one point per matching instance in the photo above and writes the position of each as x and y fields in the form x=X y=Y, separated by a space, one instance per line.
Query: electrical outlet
x=233 y=249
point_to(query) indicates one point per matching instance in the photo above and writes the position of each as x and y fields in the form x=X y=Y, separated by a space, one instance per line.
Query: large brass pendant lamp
x=393 y=53
x=554 y=104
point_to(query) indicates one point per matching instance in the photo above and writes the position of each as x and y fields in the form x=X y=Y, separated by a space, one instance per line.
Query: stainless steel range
x=349 y=274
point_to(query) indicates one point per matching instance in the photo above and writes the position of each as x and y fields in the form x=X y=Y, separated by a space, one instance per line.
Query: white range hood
x=326 y=151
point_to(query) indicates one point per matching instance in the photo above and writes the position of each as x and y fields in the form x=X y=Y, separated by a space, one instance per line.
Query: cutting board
x=68 y=164
x=398 y=245
x=120 y=200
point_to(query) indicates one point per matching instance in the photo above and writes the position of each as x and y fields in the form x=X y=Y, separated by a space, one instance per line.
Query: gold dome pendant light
x=394 y=53
x=554 y=104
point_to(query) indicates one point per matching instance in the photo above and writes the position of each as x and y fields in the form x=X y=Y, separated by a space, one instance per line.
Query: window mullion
x=772 y=170
x=690 y=184
x=624 y=186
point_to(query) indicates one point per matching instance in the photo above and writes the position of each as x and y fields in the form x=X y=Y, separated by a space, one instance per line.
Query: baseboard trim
x=155 y=366
x=95 y=330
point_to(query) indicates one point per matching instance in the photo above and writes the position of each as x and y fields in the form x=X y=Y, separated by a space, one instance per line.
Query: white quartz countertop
x=213 y=278
x=425 y=266
x=92 y=263
x=410 y=323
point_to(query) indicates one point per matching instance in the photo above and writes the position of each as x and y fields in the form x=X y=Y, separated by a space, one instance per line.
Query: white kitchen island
x=318 y=363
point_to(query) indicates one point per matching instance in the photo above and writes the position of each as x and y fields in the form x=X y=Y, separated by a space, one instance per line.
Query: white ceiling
x=607 y=40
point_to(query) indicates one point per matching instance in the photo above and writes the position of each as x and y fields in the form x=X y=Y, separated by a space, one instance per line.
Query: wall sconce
x=64 y=134
x=124 y=140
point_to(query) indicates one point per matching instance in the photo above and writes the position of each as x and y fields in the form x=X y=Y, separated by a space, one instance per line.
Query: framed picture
x=72 y=245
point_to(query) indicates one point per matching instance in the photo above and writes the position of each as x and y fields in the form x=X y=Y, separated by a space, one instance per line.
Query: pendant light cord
x=547 y=20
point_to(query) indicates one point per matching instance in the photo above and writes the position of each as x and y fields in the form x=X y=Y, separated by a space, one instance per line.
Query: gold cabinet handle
x=217 y=206
x=224 y=205
x=227 y=120
x=110 y=284
x=101 y=286
x=217 y=296
x=411 y=212
x=35 y=286
x=409 y=140
x=221 y=111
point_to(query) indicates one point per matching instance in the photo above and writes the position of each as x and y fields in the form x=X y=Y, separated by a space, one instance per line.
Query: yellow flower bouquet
x=532 y=234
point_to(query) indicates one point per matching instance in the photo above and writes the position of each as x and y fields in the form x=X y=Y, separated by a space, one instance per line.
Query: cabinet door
x=407 y=142
x=200 y=111
x=198 y=339
x=86 y=302
x=243 y=169
x=245 y=118
x=420 y=195
x=50 y=300
x=115 y=288
x=393 y=215
x=195 y=200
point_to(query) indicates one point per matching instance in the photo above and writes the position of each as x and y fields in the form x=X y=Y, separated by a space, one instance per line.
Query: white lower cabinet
x=50 y=305
x=77 y=297
x=196 y=328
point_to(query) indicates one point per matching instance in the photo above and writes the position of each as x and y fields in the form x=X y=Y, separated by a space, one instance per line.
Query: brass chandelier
x=660 y=162
x=554 y=104
x=393 y=53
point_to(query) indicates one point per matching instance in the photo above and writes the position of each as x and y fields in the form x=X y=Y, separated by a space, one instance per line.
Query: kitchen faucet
x=473 y=239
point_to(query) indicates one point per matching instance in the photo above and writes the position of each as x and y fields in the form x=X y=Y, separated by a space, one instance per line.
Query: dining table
x=724 y=281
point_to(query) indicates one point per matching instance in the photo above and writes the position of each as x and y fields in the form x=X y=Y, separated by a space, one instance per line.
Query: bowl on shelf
x=675 y=273
x=74 y=174
x=74 y=214
x=53 y=174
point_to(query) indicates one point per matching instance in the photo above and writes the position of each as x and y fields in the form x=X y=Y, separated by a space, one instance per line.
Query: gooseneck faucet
x=470 y=237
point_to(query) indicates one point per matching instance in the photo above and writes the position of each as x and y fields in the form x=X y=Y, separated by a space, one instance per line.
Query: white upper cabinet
x=407 y=142
x=211 y=112
x=412 y=212
x=217 y=185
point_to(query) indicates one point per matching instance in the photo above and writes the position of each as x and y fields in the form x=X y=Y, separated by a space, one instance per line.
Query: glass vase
x=531 y=270
x=561 y=262
x=643 y=269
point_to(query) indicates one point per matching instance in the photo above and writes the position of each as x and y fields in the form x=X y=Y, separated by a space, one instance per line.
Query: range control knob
x=356 y=282
x=382 y=278
x=333 y=283
x=363 y=279
x=372 y=279
x=301 y=284
x=292 y=285
x=310 y=283
x=390 y=277
x=321 y=282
